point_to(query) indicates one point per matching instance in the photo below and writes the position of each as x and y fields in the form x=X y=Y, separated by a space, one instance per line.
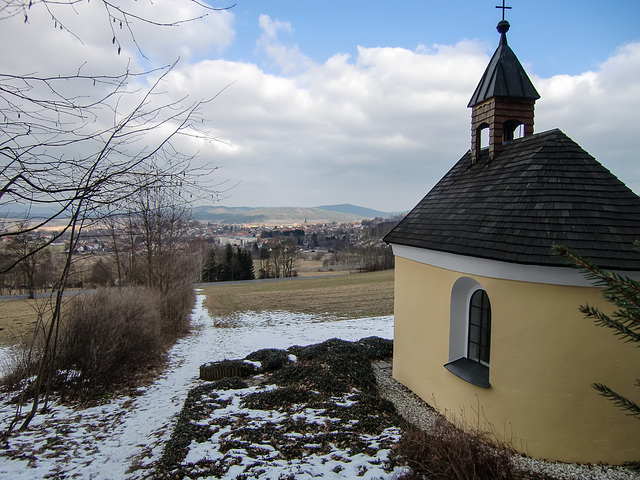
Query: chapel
x=487 y=327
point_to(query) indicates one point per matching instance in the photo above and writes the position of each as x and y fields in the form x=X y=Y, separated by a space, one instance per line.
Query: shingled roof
x=541 y=190
x=504 y=76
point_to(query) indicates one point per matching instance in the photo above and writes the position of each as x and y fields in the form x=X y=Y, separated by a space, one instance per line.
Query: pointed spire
x=504 y=76
x=503 y=28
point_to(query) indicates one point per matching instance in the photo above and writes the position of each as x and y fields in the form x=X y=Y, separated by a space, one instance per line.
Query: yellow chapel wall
x=544 y=358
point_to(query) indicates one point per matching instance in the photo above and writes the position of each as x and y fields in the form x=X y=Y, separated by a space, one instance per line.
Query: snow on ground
x=114 y=440
x=257 y=443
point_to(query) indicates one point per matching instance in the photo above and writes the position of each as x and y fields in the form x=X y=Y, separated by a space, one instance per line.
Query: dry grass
x=448 y=453
x=354 y=296
x=312 y=265
x=17 y=319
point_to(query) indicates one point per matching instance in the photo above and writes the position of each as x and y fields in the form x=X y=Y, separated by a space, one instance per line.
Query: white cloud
x=377 y=129
x=288 y=58
x=209 y=35
x=600 y=110
x=382 y=128
x=90 y=35
x=41 y=46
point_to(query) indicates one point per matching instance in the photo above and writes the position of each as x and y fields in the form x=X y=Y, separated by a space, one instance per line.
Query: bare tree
x=113 y=230
x=266 y=268
x=284 y=256
x=160 y=222
x=59 y=148
x=83 y=158
x=25 y=251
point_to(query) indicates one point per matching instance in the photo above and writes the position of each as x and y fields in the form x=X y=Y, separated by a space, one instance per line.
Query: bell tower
x=503 y=100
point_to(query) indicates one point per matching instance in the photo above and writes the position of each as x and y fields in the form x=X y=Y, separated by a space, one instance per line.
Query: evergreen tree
x=228 y=264
x=245 y=265
x=228 y=268
x=210 y=272
x=624 y=293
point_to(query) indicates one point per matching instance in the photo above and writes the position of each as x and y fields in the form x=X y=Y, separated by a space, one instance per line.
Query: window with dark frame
x=470 y=331
x=479 y=328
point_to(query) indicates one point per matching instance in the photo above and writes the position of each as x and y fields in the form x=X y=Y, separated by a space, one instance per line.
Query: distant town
x=105 y=255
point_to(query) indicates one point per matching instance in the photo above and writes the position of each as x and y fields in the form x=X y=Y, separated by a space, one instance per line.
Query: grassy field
x=17 y=319
x=312 y=265
x=346 y=296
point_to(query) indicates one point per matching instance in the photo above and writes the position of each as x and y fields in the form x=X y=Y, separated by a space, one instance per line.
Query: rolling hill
x=344 y=213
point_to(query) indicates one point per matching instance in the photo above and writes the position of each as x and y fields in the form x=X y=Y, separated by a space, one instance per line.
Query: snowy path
x=112 y=441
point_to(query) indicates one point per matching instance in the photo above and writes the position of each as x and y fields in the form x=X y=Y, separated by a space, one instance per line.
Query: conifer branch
x=620 y=326
x=624 y=293
x=618 y=400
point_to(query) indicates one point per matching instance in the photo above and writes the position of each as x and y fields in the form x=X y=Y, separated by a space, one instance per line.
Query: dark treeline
x=227 y=263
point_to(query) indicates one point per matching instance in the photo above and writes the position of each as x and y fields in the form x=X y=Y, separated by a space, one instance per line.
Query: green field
x=345 y=296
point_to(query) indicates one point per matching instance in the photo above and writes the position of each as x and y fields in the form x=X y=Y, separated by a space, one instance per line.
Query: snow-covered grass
x=123 y=437
x=291 y=442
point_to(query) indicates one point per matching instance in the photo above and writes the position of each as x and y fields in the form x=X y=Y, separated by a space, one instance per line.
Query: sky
x=358 y=102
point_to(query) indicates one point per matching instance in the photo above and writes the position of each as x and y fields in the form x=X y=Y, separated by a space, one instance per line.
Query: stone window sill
x=470 y=371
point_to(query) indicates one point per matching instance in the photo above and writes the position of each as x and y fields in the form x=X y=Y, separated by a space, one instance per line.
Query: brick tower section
x=502 y=116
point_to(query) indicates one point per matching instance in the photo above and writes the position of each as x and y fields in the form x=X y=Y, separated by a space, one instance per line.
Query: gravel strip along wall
x=409 y=406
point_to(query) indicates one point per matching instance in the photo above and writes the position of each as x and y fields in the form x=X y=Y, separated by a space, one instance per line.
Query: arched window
x=512 y=129
x=482 y=136
x=470 y=332
x=479 y=328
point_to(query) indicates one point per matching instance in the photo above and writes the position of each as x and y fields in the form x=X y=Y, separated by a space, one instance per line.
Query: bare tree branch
x=79 y=148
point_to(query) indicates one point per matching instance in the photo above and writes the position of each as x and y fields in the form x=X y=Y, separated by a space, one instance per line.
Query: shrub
x=377 y=348
x=110 y=334
x=446 y=452
x=333 y=346
x=373 y=348
x=174 y=310
x=270 y=358
x=332 y=373
x=282 y=399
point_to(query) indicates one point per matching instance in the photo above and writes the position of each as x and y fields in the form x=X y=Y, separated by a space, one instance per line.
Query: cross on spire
x=503 y=7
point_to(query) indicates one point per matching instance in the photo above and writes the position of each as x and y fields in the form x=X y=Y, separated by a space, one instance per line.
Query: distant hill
x=285 y=215
x=24 y=211
x=355 y=210
x=344 y=213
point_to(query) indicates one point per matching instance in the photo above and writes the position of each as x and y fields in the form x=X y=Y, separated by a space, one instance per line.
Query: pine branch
x=619 y=290
x=619 y=400
x=603 y=320
x=624 y=293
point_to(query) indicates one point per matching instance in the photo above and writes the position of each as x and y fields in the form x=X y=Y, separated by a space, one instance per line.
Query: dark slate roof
x=504 y=76
x=541 y=190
